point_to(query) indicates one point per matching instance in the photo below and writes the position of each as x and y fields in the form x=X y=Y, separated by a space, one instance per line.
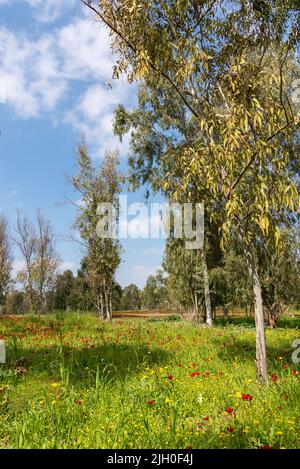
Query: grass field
x=72 y=382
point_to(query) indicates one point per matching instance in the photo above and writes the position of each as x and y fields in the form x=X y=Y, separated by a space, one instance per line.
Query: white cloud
x=85 y=49
x=140 y=273
x=17 y=266
x=152 y=251
x=68 y=266
x=40 y=76
x=49 y=10
x=46 y=11
x=93 y=116
x=97 y=100
x=30 y=71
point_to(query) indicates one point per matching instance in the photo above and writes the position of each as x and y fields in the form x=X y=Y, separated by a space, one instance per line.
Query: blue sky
x=55 y=65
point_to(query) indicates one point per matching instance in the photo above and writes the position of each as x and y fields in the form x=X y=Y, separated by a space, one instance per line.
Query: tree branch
x=133 y=49
x=255 y=155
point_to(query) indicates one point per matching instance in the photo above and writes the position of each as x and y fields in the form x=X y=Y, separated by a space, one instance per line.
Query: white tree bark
x=110 y=307
x=208 y=308
x=261 y=355
x=107 y=303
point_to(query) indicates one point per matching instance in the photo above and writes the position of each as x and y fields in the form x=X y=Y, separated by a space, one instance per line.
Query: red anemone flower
x=229 y=410
x=247 y=397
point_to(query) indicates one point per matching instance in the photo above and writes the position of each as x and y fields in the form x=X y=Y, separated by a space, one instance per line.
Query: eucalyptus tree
x=157 y=126
x=184 y=277
x=131 y=298
x=154 y=294
x=5 y=258
x=103 y=255
x=231 y=69
x=280 y=275
x=46 y=262
x=64 y=285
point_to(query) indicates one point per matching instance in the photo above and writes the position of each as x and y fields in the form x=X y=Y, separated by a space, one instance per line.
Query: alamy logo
x=181 y=221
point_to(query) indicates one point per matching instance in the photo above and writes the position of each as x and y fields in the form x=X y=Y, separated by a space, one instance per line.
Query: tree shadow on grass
x=289 y=322
x=249 y=322
x=110 y=361
x=233 y=349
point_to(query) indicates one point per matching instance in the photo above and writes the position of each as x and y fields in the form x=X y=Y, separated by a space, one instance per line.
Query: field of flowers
x=72 y=382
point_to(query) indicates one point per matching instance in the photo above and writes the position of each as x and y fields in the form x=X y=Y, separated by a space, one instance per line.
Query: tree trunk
x=107 y=309
x=106 y=305
x=31 y=299
x=197 y=309
x=99 y=306
x=225 y=312
x=209 y=315
x=110 y=307
x=261 y=355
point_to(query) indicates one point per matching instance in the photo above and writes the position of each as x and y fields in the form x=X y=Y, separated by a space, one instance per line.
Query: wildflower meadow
x=72 y=382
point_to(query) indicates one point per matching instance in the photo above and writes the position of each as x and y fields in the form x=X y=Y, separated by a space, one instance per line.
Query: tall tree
x=103 y=254
x=46 y=261
x=154 y=294
x=80 y=297
x=184 y=277
x=25 y=240
x=230 y=281
x=131 y=298
x=41 y=261
x=116 y=296
x=5 y=258
x=157 y=127
x=280 y=275
x=221 y=61
x=63 y=287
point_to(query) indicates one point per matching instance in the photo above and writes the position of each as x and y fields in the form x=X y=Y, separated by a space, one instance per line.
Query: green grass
x=72 y=382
